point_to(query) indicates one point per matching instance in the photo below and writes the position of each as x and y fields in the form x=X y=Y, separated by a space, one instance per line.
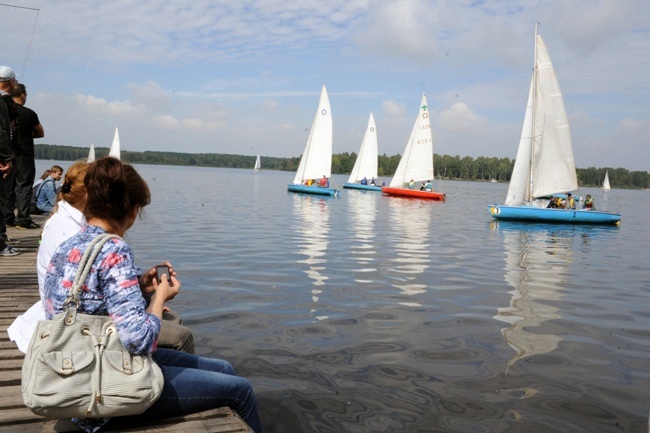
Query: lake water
x=366 y=313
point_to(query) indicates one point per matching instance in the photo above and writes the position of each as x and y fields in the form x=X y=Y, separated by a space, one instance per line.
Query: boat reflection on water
x=537 y=265
x=312 y=236
x=410 y=220
x=363 y=213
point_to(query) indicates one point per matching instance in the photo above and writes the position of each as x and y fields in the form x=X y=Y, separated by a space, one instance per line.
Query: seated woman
x=192 y=383
x=67 y=220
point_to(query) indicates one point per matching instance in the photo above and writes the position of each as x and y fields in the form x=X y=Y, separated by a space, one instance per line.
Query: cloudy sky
x=244 y=76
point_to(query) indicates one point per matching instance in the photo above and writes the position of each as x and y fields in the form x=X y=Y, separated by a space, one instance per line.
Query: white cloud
x=213 y=74
x=459 y=117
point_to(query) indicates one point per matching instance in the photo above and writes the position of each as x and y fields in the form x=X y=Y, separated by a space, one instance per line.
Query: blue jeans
x=194 y=384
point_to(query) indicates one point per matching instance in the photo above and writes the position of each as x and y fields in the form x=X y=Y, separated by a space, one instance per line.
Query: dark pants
x=3 y=205
x=19 y=194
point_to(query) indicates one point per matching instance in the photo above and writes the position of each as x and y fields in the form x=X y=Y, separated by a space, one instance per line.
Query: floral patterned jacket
x=112 y=288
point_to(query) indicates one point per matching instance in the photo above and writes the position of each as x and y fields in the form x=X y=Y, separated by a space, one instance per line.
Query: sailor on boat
x=570 y=202
x=324 y=182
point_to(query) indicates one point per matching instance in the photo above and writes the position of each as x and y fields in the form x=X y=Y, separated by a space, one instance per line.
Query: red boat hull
x=413 y=193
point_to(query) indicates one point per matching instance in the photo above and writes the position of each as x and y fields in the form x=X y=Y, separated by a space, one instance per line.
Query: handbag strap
x=85 y=265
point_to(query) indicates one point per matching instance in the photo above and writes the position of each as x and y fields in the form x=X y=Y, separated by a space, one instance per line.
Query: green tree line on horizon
x=446 y=166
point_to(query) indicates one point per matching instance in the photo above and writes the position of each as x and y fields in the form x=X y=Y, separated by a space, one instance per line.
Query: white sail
x=258 y=164
x=91 y=154
x=519 y=189
x=115 y=147
x=545 y=164
x=316 y=159
x=606 y=186
x=367 y=160
x=554 y=167
x=417 y=161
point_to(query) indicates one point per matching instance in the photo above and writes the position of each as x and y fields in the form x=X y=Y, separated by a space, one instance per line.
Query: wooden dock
x=19 y=291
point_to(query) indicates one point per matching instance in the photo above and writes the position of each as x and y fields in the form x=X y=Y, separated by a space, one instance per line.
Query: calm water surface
x=366 y=313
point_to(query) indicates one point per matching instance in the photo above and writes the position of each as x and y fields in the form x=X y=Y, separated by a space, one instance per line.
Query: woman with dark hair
x=116 y=195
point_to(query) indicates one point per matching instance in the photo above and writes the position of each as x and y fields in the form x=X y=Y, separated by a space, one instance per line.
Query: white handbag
x=76 y=366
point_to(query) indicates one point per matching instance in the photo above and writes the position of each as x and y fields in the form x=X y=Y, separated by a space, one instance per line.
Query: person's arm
x=38 y=131
x=137 y=324
x=6 y=153
x=50 y=192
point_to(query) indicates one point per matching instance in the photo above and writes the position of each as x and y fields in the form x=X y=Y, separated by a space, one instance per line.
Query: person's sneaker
x=8 y=239
x=28 y=225
x=9 y=251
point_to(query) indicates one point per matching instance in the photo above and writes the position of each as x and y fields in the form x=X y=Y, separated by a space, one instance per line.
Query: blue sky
x=244 y=77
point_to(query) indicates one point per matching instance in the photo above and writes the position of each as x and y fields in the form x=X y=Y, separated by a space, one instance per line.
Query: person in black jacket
x=24 y=168
x=8 y=140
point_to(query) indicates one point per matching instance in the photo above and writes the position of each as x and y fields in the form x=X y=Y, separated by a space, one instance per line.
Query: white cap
x=6 y=73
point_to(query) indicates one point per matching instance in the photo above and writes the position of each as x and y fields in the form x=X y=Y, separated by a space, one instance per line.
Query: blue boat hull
x=363 y=187
x=545 y=215
x=317 y=190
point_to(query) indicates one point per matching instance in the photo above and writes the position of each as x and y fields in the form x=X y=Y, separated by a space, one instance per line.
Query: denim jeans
x=194 y=384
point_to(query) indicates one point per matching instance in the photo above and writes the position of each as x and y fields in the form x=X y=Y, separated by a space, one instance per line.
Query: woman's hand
x=148 y=280
x=167 y=291
x=163 y=292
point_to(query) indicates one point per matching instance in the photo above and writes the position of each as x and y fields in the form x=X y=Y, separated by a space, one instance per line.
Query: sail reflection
x=537 y=264
x=411 y=220
x=313 y=238
x=363 y=212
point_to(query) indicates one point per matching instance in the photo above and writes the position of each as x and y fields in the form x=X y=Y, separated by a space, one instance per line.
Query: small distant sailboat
x=258 y=164
x=315 y=168
x=366 y=165
x=115 y=151
x=606 y=186
x=544 y=165
x=416 y=164
x=91 y=153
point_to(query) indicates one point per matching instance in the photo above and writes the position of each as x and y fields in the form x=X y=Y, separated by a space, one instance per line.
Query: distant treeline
x=446 y=166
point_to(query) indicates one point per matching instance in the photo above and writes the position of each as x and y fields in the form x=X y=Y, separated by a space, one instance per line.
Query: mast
x=532 y=126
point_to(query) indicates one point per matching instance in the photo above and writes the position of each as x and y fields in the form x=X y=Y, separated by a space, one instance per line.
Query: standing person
x=7 y=152
x=46 y=192
x=192 y=383
x=29 y=128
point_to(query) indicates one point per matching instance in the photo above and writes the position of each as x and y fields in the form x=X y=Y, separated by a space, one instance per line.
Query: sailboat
x=258 y=164
x=115 y=147
x=416 y=164
x=365 y=167
x=315 y=168
x=606 y=186
x=91 y=154
x=544 y=165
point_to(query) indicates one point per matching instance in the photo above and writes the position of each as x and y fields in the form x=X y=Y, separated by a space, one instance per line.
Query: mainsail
x=545 y=164
x=606 y=186
x=115 y=147
x=316 y=159
x=417 y=161
x=367 y=162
